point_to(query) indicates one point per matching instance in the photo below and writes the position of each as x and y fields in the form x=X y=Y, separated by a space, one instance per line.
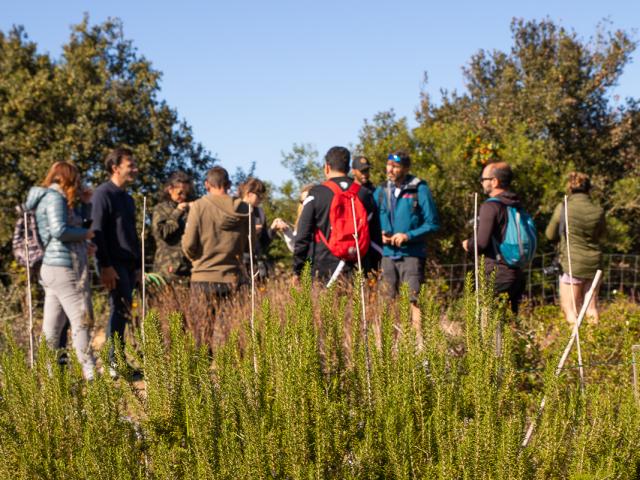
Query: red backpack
x=342 y=242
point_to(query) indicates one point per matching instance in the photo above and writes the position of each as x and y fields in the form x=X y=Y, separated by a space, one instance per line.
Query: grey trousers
x=403 y=270
x=65 y=298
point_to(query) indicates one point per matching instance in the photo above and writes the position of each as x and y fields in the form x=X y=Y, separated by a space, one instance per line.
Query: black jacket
x=114 y=225
x=492 y=225
x=315 y=216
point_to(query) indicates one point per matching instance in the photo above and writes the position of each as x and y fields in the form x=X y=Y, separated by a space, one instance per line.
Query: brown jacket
x=215 y=238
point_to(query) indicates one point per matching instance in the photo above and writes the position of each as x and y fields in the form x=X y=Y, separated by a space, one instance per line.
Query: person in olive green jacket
x=168 y=225
x=587 y=228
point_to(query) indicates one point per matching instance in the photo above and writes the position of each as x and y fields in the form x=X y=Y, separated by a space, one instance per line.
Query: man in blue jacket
x=407 y=215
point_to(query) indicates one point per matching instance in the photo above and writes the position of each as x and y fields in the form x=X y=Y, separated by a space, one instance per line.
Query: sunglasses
x=395 y=158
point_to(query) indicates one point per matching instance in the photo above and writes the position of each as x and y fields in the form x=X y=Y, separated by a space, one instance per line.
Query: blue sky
x=253 y=77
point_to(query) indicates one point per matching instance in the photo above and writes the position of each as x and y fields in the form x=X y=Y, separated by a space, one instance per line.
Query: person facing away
x=492 y=225
x=168 y=224
x=587 y=228
x=407 y=216
x=361 y=171
x=314 y=227
x=114 y=224
x=216 y=237
x=252 y=192
x=65 y=267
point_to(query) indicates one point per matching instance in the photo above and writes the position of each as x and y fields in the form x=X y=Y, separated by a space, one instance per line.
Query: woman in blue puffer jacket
x=65 y=267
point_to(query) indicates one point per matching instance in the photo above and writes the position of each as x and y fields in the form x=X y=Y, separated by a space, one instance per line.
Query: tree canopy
x=546 y=107
x=99 y=94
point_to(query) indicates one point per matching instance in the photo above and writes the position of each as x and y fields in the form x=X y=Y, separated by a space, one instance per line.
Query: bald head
x=501 y=171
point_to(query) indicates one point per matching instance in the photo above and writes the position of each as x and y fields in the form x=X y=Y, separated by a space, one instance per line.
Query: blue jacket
x=415 y=214
x=51 y=215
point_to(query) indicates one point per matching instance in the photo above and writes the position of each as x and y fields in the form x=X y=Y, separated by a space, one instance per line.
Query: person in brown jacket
x=215 y=238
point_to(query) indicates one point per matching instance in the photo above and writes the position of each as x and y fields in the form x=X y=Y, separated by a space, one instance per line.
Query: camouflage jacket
x=168 y=226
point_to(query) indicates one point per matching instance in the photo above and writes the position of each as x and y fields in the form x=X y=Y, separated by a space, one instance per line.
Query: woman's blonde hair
x=66 y=175
x=578 y=182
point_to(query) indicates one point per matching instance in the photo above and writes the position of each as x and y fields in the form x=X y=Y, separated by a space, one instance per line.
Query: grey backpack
x=27 y=246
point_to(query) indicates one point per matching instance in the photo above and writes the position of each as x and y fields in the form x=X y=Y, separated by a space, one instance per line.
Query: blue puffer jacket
x=54 y=231
x=415 y=214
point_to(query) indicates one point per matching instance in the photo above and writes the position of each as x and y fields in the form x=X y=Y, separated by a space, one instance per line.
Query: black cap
x=360 y=163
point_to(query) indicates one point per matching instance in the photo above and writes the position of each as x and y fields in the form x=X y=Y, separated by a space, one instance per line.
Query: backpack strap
x=496 y=244
x=413 y=185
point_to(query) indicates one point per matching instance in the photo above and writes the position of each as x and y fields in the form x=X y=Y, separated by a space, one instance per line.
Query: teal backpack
x=520 y=238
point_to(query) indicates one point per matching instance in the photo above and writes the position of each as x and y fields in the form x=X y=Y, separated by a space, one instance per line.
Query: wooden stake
x=475 y=259
x=634 y=365
x=29 y=298
x=143 y=286
x=573 y=298
x=565 y=354
x=365 y=325
x=253 y=291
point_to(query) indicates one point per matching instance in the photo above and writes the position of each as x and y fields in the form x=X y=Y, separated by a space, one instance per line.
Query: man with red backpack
x=334 y=214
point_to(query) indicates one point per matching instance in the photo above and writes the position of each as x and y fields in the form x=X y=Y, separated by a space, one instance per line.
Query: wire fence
x=621 y=277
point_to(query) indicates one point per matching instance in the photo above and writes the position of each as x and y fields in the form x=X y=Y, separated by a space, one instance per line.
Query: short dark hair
x=578 y=182
x=252 y=185
x=338 y=159
x=405 y=159
x=502 y=172
x=115 y=158
x=174 y=179
x=218 y=177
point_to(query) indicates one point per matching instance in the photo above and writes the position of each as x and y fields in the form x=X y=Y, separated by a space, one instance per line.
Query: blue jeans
x=120 y=302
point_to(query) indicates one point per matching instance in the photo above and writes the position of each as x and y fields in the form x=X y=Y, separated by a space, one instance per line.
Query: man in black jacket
x=315 y=216
x=114 y=225
x=492 y=225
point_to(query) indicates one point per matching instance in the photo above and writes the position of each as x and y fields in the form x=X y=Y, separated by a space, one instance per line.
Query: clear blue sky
x=254 y=77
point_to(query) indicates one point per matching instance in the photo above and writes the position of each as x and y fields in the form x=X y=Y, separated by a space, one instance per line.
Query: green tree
x=100 y=94
x=545 y=107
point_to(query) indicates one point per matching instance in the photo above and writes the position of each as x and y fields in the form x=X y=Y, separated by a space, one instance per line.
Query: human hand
x=398 y=239
x=184 y=206
x=465 y=245
x=279 y=224
x=386 y=238
x=90 y=234
x=109 y=277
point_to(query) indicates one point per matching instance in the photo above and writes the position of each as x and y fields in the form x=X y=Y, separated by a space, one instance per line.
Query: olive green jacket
x=168 y=225
x=587 y=227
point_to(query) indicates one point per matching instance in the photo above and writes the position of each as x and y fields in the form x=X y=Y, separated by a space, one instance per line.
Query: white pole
x=144 y=289
x=565 y=354
x=253 y=291
x=29 y=299
x=573 y=297
x=475 y=256
x=365 y=325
